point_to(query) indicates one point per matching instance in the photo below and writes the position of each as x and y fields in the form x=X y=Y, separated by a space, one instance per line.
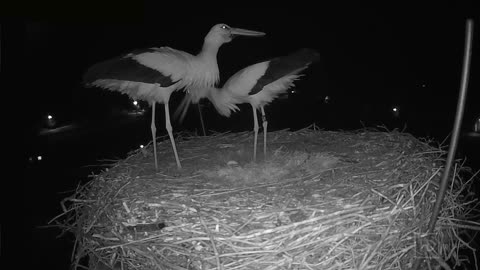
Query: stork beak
x=245 y=32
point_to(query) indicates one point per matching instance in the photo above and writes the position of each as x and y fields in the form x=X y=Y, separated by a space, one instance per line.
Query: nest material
x=320 y=200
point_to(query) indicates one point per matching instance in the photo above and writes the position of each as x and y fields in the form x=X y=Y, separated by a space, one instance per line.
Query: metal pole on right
x=455 y=134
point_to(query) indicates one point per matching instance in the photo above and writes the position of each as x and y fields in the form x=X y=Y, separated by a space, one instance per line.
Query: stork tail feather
x=182 y=108
x=224 y=101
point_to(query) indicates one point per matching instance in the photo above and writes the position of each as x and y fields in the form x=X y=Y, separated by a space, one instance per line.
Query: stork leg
x=201 y=118
x=154 y=135
x=255 y=129
x=265 y=123
x=168 y=126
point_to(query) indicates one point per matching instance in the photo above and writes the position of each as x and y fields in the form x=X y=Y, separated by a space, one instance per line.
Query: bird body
x=153 y=74
x=259 y=84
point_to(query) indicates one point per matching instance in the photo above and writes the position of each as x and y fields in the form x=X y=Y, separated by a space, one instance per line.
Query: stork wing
x=125 y=69
x=254 y=78
x=167 y=61
x=266 y=80
x=274 y=89
x=138 y=67
x=281 y=67
x=242 y=82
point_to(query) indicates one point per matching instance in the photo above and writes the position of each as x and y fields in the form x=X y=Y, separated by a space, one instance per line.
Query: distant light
x=39 y=158
x=327 y=99
x=50 y=122
x=141 y=146
x=396 y=111
x=135 y=103
x=424 y=85
x=293 y=91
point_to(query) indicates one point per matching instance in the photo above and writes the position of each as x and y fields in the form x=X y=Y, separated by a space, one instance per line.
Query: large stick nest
x=320 y=200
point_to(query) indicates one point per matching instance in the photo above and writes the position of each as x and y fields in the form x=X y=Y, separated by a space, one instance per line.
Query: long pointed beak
x=245 y=32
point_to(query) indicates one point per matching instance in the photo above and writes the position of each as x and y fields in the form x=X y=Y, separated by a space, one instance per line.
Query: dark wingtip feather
x=286 y=65
x=102 y=70
x=126 y=69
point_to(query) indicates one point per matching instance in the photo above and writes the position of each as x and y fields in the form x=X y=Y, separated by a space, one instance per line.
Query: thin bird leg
x=168 y=126
x=201 y=118
x=255 y=129
x=265 y=123
x=154 y=135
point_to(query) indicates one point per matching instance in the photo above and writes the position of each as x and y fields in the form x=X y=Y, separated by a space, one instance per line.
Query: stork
x=153 y=74
x=259 y=84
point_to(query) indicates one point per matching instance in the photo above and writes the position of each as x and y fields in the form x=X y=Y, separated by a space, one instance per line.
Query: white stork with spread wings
x=260 y=84
x=153 y=74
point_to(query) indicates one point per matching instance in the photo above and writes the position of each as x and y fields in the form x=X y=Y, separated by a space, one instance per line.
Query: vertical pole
x=456 y=130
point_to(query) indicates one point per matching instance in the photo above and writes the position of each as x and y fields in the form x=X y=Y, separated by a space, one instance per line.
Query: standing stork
x=259 y=84
x=153 y=74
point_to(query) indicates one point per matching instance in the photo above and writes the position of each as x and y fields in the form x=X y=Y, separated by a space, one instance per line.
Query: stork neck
x=209 y=50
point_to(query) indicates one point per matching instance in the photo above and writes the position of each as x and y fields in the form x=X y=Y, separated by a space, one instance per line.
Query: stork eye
x=224 y=26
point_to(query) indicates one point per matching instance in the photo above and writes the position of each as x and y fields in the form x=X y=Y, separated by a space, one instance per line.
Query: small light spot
x=396 y=111
x=39 y=158
x=293 y=91
x=141 y=146
x=424 y=85
x=135 y=103
x=327 y=99
x=49 y=117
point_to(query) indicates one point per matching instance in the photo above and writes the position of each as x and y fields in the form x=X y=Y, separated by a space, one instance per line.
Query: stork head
x=222 y=33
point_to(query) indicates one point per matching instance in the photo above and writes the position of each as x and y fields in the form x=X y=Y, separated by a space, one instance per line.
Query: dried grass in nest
x=321 y=200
